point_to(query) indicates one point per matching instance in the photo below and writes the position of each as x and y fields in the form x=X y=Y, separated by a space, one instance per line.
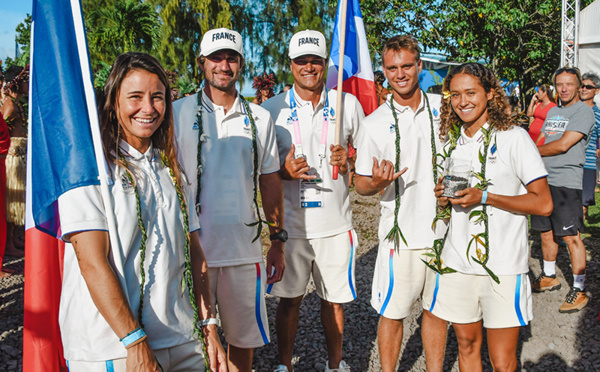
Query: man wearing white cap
x=317 y=207
x=228 y=152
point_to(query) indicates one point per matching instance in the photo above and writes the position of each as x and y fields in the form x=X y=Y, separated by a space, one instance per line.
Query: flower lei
x=395 y=233
x=202 y=138
x=187 y=279
x=476 y=216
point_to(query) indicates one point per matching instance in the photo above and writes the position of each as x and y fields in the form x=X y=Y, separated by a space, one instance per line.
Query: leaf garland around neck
x=395 y=233
x=187 y=273
x=476 y=216
x=202 y=138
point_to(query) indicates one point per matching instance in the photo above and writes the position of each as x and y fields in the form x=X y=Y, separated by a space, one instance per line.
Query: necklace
x=396 y=233
x=476 y=216
x=187 y=279
x=202 y=138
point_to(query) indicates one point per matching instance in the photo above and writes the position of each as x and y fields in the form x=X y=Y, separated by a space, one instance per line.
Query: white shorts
x=398 y=281
x=239 y=292
x=330 y=261
x=463 y=298
x=181 y=358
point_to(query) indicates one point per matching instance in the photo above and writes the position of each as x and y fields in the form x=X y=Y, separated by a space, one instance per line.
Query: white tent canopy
x=589 y=38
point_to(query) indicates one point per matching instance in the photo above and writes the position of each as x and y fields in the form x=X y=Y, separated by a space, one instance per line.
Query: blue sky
x=12 y=12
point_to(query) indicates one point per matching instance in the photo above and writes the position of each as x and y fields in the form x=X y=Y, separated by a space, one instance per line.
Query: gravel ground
x=552 y=342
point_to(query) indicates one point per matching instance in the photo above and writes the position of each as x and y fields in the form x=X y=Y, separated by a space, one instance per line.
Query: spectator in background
x=587 y=92
x=286 y=88
x=4 y=145
x=264 y=87
x=15 y=114
x=541 y=102
x=516 y=114
x=382 y=92
x=566 y=130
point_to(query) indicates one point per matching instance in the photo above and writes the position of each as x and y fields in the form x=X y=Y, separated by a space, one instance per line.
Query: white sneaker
x=281 y=368
x=343 y=367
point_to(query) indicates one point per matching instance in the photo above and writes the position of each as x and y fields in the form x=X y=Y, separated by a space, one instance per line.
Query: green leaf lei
x=187 y=273
x=395 y=233
x=480 y=240
x=201 y=138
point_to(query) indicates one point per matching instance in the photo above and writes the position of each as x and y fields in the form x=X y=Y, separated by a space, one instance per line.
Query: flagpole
x=95 y=129
x=340 y=90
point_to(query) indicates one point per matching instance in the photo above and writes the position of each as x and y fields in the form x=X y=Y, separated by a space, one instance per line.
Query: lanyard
x=298 y=137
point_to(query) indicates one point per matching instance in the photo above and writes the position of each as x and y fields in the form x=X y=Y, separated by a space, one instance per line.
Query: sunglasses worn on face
x=588 y=87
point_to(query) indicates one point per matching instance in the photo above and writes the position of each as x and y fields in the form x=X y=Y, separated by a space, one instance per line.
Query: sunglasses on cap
x=588 y=87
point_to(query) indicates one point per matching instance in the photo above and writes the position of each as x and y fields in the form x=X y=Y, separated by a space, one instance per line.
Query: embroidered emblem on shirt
x=195 y=127
x=247 y=129
x=289 y=121
x=126 y=185
x=392 y=128
x=435 y=112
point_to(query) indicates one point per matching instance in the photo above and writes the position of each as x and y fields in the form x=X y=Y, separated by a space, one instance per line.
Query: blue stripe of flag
x=63 y=153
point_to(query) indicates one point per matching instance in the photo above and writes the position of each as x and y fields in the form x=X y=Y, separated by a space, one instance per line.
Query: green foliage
x=185 y=86
x=182 y=24
x=518 y=39
x=23 y=30
x=127 y=25
x=101 y=75
x=269 y=25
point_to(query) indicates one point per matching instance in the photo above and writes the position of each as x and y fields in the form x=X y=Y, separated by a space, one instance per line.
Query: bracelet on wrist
x=484 y=197
x=134 y=337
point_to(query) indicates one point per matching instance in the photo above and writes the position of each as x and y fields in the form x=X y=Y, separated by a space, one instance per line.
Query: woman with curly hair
x=139 y=300
x=484 y=255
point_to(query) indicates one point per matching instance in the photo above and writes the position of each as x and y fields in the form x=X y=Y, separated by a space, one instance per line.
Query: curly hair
x=111 y=131
x=496 y=107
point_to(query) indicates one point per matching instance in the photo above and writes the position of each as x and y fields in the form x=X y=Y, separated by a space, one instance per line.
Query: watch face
x=282 y=235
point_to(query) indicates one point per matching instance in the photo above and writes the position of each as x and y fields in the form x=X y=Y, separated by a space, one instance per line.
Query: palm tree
x=129 y=25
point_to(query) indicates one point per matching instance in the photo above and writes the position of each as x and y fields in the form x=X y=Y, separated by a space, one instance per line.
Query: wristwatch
x=281 y=235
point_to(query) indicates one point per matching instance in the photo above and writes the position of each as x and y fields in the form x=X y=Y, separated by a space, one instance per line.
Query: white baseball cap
x=308 y=42
x=219 y=39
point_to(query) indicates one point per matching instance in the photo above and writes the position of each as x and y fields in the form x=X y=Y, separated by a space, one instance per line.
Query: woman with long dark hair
x=140 y=300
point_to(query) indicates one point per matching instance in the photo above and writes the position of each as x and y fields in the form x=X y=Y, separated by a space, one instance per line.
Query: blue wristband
x=484 y=197
x=133 y=336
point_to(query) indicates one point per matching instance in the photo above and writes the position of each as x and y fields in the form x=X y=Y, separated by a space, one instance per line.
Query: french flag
x=62 y=154
x=358 y=69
